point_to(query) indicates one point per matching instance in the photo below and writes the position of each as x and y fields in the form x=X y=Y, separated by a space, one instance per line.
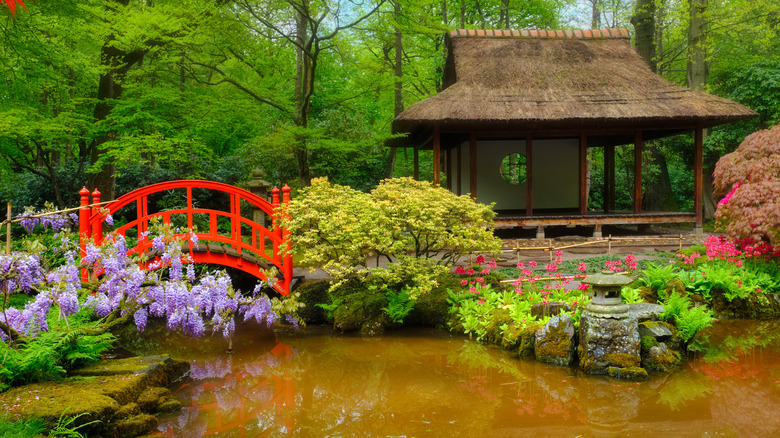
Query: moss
x=151 y=398
x=431 y=309
x=648 y=342
x=361 y=307
x=126 y=411
x=498 y=318
x=661 y=359
x=648 y=295
x=313 y=293
x=635 y=374
x=557 y=347
x=134 y=426
x=621 y=360
x=169 y=406
x=528 y=341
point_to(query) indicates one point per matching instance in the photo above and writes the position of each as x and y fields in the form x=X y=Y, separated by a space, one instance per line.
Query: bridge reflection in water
x=429 y=383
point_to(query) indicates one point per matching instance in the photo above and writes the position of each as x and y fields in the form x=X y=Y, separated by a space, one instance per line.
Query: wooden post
x=287 y=258
x=8 y=231
x=698 y=163
x=458 y=173
x=416 y=161
x=448 y=167
x=473 y=165
x=638 y=143
x=84 y=232
x=583 y=173
x=609 y=179
x=529 y=176
x=436 y=155
x=97 y=226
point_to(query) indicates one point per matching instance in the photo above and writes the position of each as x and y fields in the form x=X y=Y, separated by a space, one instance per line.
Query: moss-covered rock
x=431 y=309
x=104 y=392
x=755 y=306
x=555 y=342
x=134 y=426
x=635 y=373
x=499 y=319
x=607 y=342
x=660 y=358
x=152 y=398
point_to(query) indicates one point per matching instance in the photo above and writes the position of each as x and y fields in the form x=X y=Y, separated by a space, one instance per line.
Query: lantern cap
x=607 y=278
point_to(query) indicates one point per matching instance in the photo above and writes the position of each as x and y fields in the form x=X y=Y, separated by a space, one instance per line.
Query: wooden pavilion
x=520 y=108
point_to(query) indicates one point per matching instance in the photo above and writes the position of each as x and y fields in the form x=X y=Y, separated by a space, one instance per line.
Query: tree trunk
x=304 y=74
x=644 y=29
x=697 y=80
x=399 y=85
x=658 y=194
x=595 y=16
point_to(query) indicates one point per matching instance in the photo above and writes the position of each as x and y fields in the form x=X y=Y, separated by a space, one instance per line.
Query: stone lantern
x=607 y=300
x=259 y=187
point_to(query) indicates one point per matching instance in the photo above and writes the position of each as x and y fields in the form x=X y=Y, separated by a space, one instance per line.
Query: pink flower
x=582 y=266
x=470 y=272
x=532 y=264
x=520 y=265
x=464 y=282
x=492 y=264
x=583 y=286
x=485 y=271
x=558 y=253
x=479 y=279
x=473 y=289
x=480 y=259
x=460 y=270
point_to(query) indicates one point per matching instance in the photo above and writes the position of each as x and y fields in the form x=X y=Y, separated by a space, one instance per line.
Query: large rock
x=661 y=358
x=661 y=331
x=645 y=311
x=608 y=342
x=555 y=341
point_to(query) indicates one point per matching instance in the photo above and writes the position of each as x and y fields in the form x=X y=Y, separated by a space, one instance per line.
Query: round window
x=513 y=168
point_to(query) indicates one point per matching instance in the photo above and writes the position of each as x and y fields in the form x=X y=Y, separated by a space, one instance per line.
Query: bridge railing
x=249 y=246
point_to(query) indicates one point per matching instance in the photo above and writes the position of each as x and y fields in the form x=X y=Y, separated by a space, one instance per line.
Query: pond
x=414 y=383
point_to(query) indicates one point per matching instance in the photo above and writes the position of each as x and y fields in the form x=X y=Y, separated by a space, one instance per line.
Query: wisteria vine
x=124 y=287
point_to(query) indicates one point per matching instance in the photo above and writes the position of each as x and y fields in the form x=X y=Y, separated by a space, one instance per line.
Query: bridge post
x=97 y=227
x=287 y=260
x=84 y=231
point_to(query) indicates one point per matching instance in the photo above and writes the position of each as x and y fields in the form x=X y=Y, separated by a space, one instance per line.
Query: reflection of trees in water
x=345 y=386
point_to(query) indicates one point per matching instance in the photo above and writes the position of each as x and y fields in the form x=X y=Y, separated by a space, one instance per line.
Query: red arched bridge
x=231 y=240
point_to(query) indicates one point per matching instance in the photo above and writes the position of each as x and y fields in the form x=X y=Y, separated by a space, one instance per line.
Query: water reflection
x=429 y=383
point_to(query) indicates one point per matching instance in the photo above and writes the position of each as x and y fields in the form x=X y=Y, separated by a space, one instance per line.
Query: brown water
x=430 y=383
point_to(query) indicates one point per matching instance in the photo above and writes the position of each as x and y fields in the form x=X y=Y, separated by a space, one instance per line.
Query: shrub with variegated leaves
x=750 y=180
x=340 y=229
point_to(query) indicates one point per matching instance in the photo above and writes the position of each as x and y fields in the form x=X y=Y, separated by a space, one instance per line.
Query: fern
x=398 y=305
x=692 y=320
x=655 y=277
x=675 y=305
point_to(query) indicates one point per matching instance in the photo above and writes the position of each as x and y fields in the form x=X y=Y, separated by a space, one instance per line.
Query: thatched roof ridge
x=559 y=79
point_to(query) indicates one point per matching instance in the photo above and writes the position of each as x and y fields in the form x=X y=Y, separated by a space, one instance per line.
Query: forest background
x=118 y=94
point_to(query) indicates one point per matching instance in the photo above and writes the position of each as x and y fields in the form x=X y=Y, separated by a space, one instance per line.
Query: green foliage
x=631 y=295
x=338 y=229
x=66 y=426
x=49 y=355
x=399 y=305
x=22 y=428
x=689 y=319
x=656 y=277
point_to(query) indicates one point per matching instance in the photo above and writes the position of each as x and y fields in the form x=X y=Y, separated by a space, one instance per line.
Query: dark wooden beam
x=583 y=173
x=436 y=155
x=698 y=181
x=529 y=176
x=458 y=173
x=473 y=165
x=578 y=220
x=448 y=167
x=638 y=143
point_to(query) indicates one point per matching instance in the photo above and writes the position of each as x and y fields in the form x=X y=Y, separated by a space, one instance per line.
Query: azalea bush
x=123 y=287
x=750 y=180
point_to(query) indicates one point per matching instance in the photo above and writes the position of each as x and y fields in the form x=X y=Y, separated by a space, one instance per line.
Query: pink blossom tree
x=750 y=179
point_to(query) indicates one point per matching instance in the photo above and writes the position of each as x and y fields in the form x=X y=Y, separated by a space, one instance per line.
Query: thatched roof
x=558 y=80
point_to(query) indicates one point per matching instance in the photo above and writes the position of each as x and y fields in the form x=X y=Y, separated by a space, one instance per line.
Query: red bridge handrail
x=91 y=226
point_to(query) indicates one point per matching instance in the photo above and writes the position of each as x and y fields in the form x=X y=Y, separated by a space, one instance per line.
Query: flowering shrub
x=750 y=179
